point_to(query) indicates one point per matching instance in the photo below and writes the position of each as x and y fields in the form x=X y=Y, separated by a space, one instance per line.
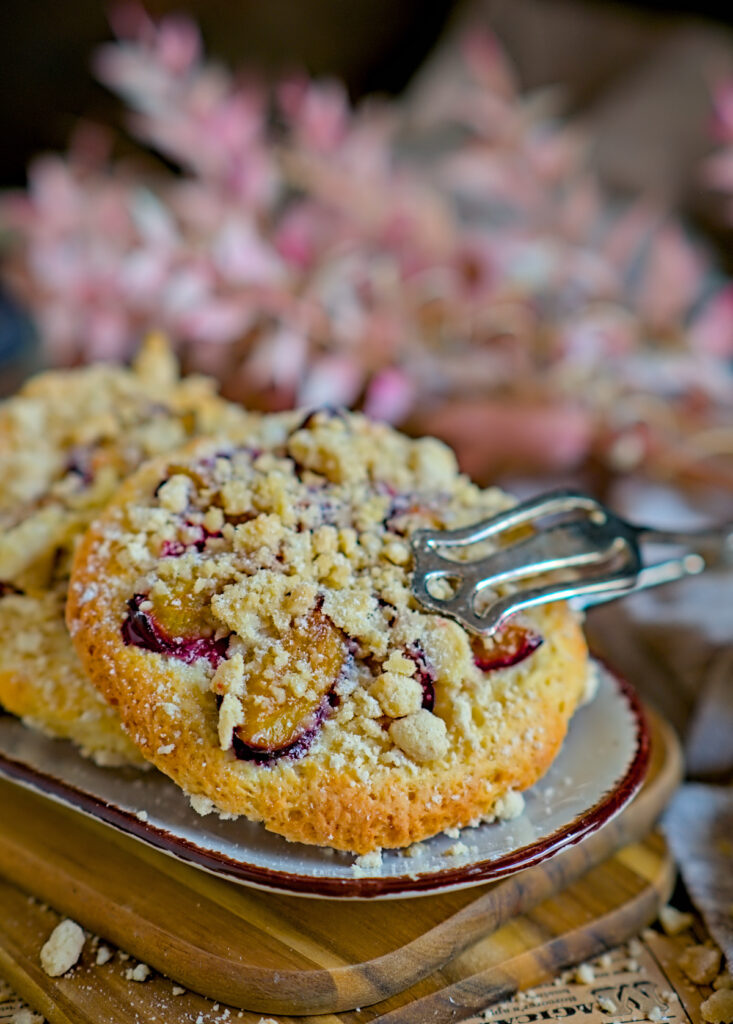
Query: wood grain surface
x=291 y=955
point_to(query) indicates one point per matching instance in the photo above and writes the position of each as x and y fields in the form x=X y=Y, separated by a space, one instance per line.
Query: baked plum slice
x=81 y=463
x=194 y=535
x=167 y=628
x=508 y=647
x=279 y=722
x=323 y=412
x=424 y=673
x=408 y=512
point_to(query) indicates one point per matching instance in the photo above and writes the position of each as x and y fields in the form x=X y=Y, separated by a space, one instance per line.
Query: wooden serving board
x=436 y=957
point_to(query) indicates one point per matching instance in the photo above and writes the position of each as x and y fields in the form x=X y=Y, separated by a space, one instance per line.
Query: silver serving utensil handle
x=592 y=555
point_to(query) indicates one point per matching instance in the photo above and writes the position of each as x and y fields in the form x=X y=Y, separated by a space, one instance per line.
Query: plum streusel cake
x=66 y=441
x=247 y=609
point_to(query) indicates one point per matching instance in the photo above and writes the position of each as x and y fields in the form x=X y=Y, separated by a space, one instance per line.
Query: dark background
x=374 y=45
x=45 y=47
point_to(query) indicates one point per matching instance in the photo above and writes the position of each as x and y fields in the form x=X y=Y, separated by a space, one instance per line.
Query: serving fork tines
x=566 y=546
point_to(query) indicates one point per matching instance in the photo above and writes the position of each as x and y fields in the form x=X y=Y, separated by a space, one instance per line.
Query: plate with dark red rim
x=600 y=767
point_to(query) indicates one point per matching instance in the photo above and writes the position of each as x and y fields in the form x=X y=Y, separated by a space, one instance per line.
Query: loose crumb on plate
x=458 y=849
x=366 y=863
x=415 y=851
x=509 y=806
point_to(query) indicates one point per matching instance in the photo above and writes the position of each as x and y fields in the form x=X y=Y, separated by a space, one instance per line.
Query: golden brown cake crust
x=67 y=439
x=42 y=681
x=206 y=641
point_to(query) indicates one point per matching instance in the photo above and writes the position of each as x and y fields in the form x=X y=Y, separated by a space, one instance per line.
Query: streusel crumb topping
x=281 y=571
x=67 y=441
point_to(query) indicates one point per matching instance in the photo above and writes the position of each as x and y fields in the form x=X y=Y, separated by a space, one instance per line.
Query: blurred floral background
x=518 y=244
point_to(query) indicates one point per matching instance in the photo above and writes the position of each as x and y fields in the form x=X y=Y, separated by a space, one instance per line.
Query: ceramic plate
x=601 y=765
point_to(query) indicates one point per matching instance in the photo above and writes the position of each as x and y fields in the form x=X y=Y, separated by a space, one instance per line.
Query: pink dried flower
x=718 y=169
x=723 y=111
x=672 y=278
x=549 y=437
x=317 y=113
x=331 y=380
x=481 y=287
x=712 y=329
x=390 y=396
x=489 y=65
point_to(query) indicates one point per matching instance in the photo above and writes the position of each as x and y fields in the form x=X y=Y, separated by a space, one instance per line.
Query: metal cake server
x=585 y=553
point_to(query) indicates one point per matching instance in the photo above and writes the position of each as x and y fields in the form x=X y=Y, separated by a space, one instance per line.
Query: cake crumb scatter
x=62 y=949
x=139 y=973
x=718 y=1008
x=700 y=963
x=585 y=974
x=674 y=921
